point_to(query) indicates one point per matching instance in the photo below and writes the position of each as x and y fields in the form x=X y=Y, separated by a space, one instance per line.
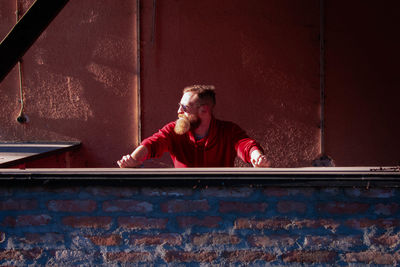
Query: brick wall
x=121 y=224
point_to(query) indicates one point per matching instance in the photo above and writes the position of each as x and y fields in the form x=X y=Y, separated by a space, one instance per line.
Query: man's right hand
x=128 y=162
x=131 y=161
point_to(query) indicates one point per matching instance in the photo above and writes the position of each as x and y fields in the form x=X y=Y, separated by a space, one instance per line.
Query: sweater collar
x=210 y=135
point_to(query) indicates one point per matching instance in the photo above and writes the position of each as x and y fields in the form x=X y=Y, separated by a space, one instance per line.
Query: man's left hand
x=259 y=160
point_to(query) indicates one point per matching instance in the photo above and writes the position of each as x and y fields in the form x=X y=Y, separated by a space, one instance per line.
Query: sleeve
x=160 y=142
x=244 y=145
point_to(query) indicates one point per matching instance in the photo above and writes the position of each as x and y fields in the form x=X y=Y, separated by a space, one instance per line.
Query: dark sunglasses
x=184 y=107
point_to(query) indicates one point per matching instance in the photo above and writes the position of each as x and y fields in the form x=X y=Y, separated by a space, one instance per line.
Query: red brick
x=72 y=205
x=310 y=256
x=272 y=241
x=47 y=238
x=128 y=256
x=242 y=207
x=372 y=257
x=386 y=209
x=184 y=256
x=88 y=222
x=174 y=206
x=106 y=240
x=343 y=208
x=215 y=239
x=142 y=223
x=207 y=221
x=31 y=254
x=22 y=204
x=27 y=220
x=227 y=192
x=291 y=206
x=366 y=223
x=246 y=256
x=276 y=223
x=127 y=206
x=329 y=224
x=167 y=192
x=276 y=192
x=113 y=191
x=160 y=239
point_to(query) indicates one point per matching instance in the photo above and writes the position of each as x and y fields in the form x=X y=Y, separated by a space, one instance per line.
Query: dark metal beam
x=367 y=177
x=26 y=31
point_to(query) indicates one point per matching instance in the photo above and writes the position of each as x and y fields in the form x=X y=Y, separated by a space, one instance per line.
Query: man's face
x=188 y=114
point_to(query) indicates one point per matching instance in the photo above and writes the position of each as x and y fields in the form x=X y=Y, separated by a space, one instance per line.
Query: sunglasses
x=185 y=108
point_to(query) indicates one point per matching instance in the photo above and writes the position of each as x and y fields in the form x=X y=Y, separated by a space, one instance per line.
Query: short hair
x=205 y=93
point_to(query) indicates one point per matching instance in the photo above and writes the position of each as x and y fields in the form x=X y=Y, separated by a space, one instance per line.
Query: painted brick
x=47 y=238
x=159 y=239
x=142 y=223
x=18 y=255
x=239 y=192
x=127 y=257
x=127 y=206
x=373 y=257
x=370 y=193
x=214 y=239
x=241 y=207
x=27 y=220
x=2 y=237
x=74 y=257
x=366 y=223
x=386 y=209
x=88 y=221
x=106 y=240
x=343 y=242
x=190 y=221
x=58 y=190
x=246 y=256
x=6 y=192
x=272 y=240
x=174 y=206
x=310 y=256
x=184 y=256
x=277 y=223
x=72 y=205
x=282 y=192
x=386 y=240
x=342 y=208
x=284 y=223
x=20 y=204
x=331 y=191
x=167 y=192
x=105 y=191
x=291 y=206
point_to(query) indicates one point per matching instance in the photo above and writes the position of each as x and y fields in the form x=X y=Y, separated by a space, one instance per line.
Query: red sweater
x=225 y=141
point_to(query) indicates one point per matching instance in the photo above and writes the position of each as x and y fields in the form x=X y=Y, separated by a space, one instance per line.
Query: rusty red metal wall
x=79 y=82
x=262 y=56
x=362 y=82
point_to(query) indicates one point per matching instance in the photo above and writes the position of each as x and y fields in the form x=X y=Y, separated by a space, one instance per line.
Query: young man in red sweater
x=197 y=138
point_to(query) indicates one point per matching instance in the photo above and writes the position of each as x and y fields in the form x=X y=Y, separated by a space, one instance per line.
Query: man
x=197 y=138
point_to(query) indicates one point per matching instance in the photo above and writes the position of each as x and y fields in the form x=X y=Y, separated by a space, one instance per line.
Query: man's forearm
x=140 y=153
